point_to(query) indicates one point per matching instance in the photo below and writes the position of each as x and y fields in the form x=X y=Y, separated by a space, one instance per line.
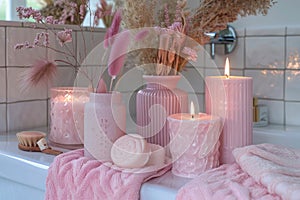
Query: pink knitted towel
x=73 y=176
x=276 y=167
x=228 y=182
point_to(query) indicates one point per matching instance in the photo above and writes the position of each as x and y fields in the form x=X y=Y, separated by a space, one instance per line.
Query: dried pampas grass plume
x=40 y=73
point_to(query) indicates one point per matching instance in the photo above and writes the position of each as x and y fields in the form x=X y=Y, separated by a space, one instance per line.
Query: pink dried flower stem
x=37 y=43
x=26 y=13
x=40 y=72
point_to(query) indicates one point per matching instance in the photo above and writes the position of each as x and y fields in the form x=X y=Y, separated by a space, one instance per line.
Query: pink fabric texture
x=73 y=176
x=275 y=167
x=264 y=171
x=227 y=182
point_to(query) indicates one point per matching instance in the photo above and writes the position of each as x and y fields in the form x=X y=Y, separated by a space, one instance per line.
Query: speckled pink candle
x=194 y=143
x=230 y=97
x=67 y=114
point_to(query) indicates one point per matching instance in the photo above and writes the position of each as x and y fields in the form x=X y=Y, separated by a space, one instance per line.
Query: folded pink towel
x=73 y=176
x=228 y=182
x=275 y=167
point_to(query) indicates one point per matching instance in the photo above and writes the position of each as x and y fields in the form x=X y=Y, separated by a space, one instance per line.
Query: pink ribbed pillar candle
x=155 y=103
x=231 y=98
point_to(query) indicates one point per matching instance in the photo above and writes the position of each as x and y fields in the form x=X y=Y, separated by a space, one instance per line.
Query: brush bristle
x=30 y=138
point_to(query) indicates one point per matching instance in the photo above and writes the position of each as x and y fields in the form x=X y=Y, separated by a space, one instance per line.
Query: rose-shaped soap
x=130 y=151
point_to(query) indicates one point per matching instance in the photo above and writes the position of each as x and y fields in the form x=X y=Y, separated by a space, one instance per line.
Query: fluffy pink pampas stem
x=40 y=72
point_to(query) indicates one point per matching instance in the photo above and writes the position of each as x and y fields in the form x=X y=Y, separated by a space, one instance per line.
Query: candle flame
x=192 y=109
x=227 y=68
x=68 y=98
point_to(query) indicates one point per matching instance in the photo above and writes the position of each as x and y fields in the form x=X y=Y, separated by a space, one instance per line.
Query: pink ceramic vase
x=104 y=123
x=155 y=103
x=66 y=116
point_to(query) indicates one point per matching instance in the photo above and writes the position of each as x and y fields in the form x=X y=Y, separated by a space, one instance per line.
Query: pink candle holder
x=104 y=123
x=194 y=144
x=66 y=114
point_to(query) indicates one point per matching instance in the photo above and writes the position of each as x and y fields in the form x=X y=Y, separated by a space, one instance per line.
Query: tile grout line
x=25 y=101
x=284 y=76
x=6 y=79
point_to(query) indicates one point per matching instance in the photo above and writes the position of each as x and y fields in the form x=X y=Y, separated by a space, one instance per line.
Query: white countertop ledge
x=31 y=168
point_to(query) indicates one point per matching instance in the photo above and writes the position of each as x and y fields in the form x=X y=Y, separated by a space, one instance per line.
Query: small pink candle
x=230 y=97
x=194 y=143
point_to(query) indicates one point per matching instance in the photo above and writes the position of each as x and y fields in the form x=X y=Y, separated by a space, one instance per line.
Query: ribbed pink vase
x=155 y=103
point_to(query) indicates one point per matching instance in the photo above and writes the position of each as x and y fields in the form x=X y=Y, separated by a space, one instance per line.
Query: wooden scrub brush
x=34 y=141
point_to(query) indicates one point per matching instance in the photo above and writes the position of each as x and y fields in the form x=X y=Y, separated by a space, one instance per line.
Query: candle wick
x=227 y=76
x=192 y=116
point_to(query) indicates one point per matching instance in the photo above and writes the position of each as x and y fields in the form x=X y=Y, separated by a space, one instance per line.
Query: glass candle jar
x=67 y=115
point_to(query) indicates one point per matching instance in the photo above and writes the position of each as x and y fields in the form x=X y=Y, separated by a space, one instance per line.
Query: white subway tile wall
x=89 y=75
x=26 y=115
x=14 y=85
x=292 y=110
x=65 y=77
x=292 y=85
x=3 y=120
x=267 y=83
x=90 y=47
x=2 y=85
x=2 y=45
x=264 y=52
x=20 y=110
x=270 y=31
x=192 y=80
x=64 y=50
x=24 y=57
x=270 y=56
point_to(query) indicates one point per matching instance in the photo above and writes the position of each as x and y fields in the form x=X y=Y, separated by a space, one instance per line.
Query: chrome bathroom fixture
x=226 y=37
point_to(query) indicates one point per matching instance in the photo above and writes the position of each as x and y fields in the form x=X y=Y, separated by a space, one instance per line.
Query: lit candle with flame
x=67 y=112
x=194 y=140
x=230 y=97
x=192 y=109
x=227 y=68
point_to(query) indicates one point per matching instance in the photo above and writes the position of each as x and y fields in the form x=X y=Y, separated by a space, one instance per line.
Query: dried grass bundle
x=214 y=15
x=210 y=16
x=137 y=14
